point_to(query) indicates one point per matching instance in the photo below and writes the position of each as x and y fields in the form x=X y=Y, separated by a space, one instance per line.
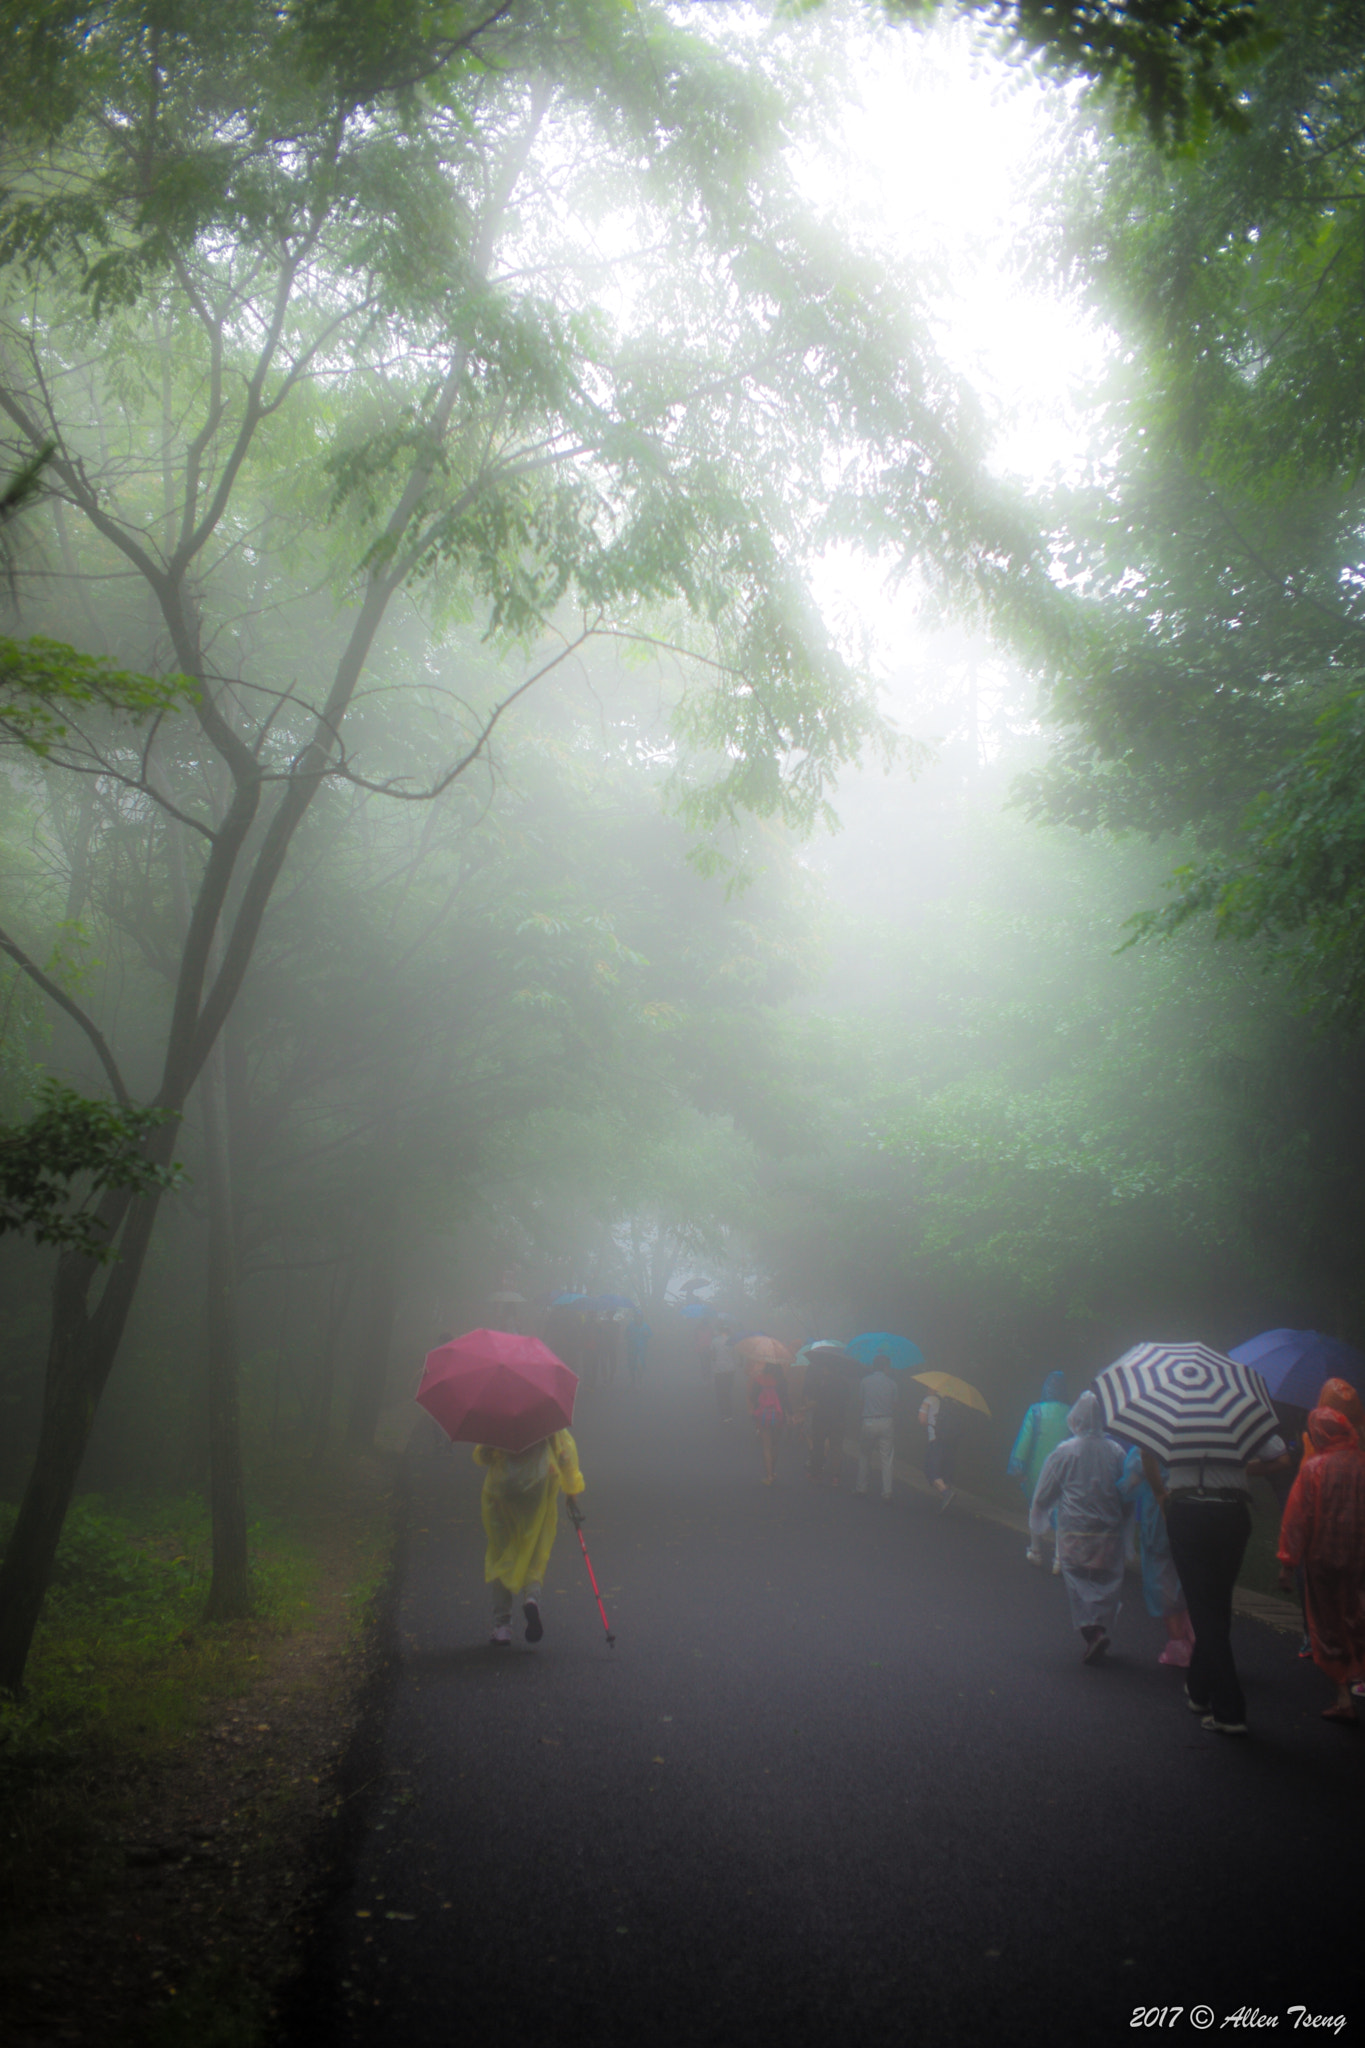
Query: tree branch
x=467 y=759
x=73 y=1010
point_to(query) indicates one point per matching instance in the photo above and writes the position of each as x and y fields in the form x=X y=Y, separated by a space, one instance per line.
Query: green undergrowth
x=120 y=1661
x=125 y=1673
x=218 y=2008
x=123 y=1662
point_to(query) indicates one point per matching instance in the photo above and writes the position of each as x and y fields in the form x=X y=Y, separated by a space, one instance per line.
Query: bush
x=101 y=1566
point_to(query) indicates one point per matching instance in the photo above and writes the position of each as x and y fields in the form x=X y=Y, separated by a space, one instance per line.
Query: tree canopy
x=1213 y=562
x=512 y=314
x=427 y=425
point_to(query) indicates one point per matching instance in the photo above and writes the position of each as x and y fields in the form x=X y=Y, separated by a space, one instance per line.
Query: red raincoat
x=1342 y=1396
x=1324 y=1530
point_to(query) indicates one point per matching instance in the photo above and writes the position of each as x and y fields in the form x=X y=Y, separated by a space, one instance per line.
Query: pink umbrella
x=493 y=1387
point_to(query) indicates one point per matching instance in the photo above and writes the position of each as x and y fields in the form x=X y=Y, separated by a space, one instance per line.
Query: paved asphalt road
x=842 y=1780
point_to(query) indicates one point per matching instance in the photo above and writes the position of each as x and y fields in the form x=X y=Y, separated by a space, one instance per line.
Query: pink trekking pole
x=576 y=1517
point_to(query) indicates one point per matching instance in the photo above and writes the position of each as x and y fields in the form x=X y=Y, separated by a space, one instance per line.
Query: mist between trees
x=417 y=717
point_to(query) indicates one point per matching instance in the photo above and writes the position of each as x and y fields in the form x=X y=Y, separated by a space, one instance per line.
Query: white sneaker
x=1056 y=1567
x=501 y=1637
x=1034 y=1557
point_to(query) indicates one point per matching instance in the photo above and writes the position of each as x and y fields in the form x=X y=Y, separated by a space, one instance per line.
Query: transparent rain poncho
x=1080 y=1480
x=521 y=1506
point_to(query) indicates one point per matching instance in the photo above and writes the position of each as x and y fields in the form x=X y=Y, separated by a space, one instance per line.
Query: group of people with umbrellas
x=816 y=1390
x=602 y=1337
x=1199 y=1427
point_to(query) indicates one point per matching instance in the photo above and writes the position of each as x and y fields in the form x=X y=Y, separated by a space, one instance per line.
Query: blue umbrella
x=563 y=1300
x=607 y=1301
x=1294 y=1363
x=901 y=1352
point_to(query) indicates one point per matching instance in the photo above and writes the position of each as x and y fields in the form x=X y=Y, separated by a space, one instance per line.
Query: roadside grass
x=124 y=1670
x=219 y=2008
x=121 y=1662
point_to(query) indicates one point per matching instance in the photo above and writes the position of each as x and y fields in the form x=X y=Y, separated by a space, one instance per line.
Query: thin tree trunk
x=230 y=1589
x=320 y=1418
x=376 y=1336
x=230 y=1586
x=68 y=1413
x=81 y=1353
x=84 y=1343
x=280 y=1355
x=78 y=886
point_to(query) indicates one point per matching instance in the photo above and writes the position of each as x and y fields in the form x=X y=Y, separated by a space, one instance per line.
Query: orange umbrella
x=764 y=1351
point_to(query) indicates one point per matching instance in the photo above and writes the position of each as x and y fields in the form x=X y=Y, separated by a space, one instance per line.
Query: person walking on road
x=1342 y=1396
x=1323 y=1531
x=1161 y=1587
x=941 y=1420
x=520 y=1506
x=769 y=1405
x=1042 y=1429
x=1081 y=1481
x=827 y=1395
x=1207 y=1505
x=723 y=1365
x=877 y=1438
x=637 y=1347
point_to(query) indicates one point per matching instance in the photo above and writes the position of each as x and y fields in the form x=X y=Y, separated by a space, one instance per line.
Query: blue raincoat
x=1161 y=1587
x=1042 y=1429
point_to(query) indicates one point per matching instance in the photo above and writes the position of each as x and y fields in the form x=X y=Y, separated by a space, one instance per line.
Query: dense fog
x=433 y=793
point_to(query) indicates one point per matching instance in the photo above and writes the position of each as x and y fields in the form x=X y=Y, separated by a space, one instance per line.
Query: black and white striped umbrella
x=1185 y=1401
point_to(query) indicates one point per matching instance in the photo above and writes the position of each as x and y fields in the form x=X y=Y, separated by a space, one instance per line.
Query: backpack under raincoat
x=520 y=1506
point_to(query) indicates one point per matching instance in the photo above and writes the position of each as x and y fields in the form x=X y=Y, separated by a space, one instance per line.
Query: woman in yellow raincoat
x=520 y=1516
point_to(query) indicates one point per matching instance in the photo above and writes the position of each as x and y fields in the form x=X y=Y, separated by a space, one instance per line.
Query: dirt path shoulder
x=157 y=1885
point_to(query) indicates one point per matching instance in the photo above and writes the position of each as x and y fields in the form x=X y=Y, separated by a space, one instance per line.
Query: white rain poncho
x=1080 y=1479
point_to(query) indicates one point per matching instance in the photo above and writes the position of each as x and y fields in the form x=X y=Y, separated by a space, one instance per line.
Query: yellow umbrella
x=952 y=1389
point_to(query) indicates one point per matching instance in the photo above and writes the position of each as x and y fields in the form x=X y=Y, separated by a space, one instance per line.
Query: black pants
x=826 y=1442
x=940 y=1456
x=1208 y=1540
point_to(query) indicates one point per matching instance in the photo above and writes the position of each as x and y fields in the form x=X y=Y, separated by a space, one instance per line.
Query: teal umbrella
x=902 y=1354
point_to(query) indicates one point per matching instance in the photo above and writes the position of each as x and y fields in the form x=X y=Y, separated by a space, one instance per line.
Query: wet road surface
x=842 y=1780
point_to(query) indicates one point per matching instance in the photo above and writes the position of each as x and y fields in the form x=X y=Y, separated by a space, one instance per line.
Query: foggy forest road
x=843 y=1779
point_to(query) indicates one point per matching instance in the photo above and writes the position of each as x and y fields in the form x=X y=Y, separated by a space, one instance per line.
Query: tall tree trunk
x=376 y=1336
x=81 y=1353
x=320 y=1416
x=69 y=1402
x=84 y=1343
x=230 y=1588
x=78 y=884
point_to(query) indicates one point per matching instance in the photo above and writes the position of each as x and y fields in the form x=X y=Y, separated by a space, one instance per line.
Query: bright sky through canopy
x=939 y=153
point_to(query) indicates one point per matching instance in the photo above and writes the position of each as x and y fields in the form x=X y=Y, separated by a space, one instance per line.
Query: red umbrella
x=493 y=1387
